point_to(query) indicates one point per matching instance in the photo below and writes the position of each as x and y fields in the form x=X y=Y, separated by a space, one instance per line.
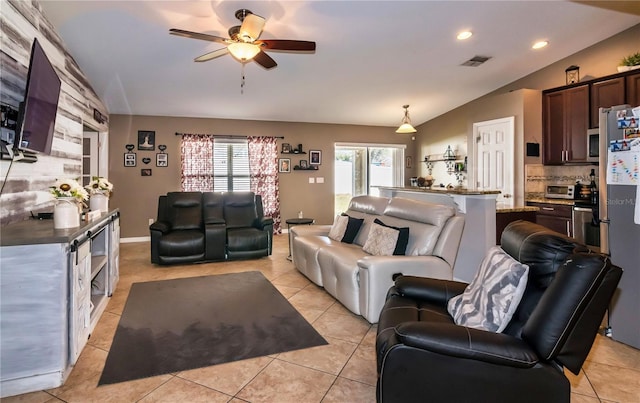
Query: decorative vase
x=627 y=68
x=65 y=213
x=99 y=202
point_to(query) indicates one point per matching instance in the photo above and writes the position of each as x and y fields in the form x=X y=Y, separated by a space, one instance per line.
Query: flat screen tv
x=40 y=105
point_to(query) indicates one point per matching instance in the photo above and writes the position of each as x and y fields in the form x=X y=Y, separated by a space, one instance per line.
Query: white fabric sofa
x=360 y=281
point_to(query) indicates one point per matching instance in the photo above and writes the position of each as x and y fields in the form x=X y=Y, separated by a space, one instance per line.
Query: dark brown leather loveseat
x=422 y=355
x=210 y=226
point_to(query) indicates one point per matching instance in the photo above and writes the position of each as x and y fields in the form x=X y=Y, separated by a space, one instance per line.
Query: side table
x=296 y=221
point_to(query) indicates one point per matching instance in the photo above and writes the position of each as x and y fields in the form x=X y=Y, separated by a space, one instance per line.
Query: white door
x=494 y=157
x=90 y=156
x=95 y=155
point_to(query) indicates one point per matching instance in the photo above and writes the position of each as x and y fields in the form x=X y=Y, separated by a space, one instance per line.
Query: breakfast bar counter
x=479 y=209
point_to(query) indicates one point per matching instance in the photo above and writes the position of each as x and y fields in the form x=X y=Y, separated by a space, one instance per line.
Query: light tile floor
x=343 y=371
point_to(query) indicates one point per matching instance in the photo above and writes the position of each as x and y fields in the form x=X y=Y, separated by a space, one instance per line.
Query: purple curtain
x=263 y=172
x=196 y=173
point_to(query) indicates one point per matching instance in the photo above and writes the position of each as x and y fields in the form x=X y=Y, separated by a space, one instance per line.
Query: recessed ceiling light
x=464 y=35
x=540 y=44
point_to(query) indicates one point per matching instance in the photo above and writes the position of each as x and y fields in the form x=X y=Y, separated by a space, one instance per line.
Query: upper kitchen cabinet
x=605 y=94
x=565 y=119
x=569 y=111
x=633 y=89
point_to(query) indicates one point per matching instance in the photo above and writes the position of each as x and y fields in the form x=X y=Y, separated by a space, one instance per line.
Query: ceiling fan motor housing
x=243 y=12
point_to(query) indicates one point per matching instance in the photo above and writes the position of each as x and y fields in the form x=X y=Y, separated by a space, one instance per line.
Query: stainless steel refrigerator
x=619 y=235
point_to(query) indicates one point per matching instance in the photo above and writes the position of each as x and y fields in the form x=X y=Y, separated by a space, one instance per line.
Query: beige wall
x=455 y=127
x=136 y=196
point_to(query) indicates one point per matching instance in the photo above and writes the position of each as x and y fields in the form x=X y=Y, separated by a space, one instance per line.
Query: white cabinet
x=80 y=299
x=114 y=255
x=54 y=285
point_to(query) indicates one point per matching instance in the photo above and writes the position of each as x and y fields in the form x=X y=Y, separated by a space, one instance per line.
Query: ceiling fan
x=243 y=42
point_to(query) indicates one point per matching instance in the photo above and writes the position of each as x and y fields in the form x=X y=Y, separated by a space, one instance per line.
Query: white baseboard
x=135 y=239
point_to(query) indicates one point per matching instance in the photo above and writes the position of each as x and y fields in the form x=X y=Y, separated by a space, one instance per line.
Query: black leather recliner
x=246 y=234
x=422 y=355
x=210 y=226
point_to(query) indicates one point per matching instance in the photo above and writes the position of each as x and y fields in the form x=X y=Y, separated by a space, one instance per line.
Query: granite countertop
x=520 y=209
x=455 y=190
x=566 y=202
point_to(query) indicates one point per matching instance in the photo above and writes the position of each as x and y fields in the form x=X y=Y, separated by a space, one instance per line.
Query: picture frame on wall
x=146 y=140
x=145 y=172
x=408 y=162
x=286 y=148
x=304 y=164
x=315 y=157
x=284 y=165
x=162 y=160
x=129 y=159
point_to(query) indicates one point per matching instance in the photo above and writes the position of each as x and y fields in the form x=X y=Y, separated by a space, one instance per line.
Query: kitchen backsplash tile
x=539 y=176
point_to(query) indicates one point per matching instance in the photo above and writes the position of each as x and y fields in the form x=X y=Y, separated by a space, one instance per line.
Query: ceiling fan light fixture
x=405 y=126
x=243 y=51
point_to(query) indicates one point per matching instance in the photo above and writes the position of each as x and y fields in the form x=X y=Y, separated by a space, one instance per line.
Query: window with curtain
x=225 y=165
x=219 y=165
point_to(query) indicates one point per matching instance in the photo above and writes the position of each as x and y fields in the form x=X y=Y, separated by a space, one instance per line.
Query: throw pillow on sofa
x=493 y=295
x=345 y=228
x=386 y=240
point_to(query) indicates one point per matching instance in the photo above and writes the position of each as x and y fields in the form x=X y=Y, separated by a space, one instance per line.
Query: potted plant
x=630 y=62
x=68 y=194
x=100 y=189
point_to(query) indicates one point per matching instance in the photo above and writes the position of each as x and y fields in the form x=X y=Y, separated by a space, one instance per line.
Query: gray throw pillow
x=490 y=300
x=339 y=227
x=381 y=241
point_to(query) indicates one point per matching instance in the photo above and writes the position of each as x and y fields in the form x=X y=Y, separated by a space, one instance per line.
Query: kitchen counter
x=566 y=202
x=479 y=209
x=521 y=209
x=453 y=191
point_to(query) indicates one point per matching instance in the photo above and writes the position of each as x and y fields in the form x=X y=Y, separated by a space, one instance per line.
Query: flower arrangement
x=68 y=188
x=99 y=185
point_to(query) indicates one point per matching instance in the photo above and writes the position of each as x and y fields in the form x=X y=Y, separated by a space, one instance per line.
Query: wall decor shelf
x=290 y=149
x=310 y=168
x=454 y=165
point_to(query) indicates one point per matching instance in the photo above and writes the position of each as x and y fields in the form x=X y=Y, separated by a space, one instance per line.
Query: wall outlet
x=151 y=220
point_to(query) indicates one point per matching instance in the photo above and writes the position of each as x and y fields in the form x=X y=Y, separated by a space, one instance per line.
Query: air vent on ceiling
x=476 y=61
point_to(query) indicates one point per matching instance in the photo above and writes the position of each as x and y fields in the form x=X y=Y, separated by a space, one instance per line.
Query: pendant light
x=405 y=126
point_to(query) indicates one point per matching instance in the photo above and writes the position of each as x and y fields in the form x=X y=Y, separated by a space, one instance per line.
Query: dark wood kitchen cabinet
x=605 y=94
x=556 y=217
x=565 y=123
x=633 y=89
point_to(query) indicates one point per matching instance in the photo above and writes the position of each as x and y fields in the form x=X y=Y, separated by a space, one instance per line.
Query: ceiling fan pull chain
x=242 y=80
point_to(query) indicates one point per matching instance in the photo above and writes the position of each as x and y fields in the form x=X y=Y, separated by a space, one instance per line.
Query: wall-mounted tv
x=40 y=106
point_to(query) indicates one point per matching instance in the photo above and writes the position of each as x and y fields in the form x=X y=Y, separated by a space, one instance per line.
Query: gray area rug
x=175 y=325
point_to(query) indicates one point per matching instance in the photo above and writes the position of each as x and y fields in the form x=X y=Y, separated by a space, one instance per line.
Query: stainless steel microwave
x=593 y=145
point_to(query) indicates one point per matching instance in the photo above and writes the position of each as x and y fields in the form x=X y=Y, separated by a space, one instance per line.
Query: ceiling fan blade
x=265 y=60
x=251 y=27
x=198 y=35
x=285 y=44
x=211 y=55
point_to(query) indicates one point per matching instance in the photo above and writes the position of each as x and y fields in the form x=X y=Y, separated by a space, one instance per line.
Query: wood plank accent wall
x=27 y=185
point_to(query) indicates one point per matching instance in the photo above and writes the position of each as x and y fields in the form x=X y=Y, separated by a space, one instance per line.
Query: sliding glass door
x=360 y=168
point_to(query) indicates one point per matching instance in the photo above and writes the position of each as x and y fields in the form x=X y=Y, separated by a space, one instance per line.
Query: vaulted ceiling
x=371 y=58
